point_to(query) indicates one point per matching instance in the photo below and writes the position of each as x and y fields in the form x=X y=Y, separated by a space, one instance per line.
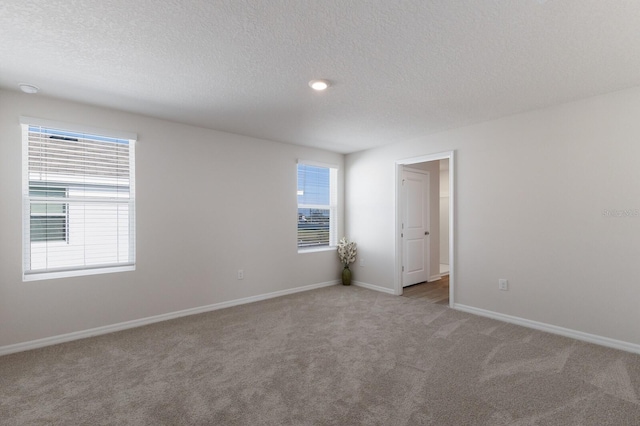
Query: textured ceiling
x=400 y=70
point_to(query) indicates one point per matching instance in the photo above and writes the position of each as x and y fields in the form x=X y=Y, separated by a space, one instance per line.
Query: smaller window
x=317 y=206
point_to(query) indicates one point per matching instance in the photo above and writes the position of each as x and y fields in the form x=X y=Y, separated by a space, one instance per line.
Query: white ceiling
x=400 y=69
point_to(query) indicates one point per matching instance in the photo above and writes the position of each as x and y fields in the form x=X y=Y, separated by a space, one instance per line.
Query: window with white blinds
x=78 y=201
x=317 y=205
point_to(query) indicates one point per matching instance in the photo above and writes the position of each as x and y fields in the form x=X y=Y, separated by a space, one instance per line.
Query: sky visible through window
x=313 y=185
x=74 y=135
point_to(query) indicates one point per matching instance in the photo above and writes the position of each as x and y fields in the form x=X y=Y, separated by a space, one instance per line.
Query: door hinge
x=401 y=235
x=403 y=269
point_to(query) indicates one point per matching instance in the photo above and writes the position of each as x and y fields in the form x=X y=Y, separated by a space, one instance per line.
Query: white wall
x=208 y=204
x=530 y=194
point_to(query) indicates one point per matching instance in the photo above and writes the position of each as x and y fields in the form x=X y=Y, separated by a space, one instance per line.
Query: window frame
x=332 y=207
x=80 y=268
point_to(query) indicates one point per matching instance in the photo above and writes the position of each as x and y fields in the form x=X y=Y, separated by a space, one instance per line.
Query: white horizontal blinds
x=79 y=200
x=317 y=205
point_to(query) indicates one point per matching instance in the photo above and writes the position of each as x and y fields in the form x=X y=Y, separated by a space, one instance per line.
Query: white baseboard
x=54 y=340
x=374 y=287
x=434 y=278
x=574 y=334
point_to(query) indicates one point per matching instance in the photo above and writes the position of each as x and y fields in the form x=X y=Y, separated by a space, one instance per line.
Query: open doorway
x=431 y=215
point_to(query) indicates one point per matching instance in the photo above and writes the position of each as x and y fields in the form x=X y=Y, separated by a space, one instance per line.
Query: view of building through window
x=79 y=201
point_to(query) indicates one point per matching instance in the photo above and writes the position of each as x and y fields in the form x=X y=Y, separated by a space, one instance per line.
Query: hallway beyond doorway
x=433 y=292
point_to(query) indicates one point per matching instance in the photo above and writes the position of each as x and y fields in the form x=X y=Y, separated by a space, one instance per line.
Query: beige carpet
x=334 y=356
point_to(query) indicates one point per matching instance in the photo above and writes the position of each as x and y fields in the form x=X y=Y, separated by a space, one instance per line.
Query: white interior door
x=415 y=227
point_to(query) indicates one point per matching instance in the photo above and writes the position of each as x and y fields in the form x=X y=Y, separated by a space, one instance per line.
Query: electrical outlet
x=503 y=284
x=361 y=261
x=240 y=274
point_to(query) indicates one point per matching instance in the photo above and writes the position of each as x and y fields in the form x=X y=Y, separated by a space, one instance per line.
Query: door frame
x=399 y=164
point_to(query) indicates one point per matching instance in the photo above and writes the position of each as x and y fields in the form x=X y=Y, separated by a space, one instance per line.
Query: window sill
x=76 y=272
x=316 y=249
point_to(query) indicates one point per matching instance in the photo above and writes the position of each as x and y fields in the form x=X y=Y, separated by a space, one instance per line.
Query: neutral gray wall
x=208 y=204
x=530 y=194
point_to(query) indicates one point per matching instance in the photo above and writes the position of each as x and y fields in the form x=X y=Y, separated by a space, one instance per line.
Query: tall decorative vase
x=346 y=276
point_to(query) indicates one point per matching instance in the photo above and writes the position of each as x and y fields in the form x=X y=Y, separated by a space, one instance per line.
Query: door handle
x=426 y=232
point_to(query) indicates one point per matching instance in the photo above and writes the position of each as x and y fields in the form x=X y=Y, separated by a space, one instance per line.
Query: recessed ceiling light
x=28 y=88
x=319 y=85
